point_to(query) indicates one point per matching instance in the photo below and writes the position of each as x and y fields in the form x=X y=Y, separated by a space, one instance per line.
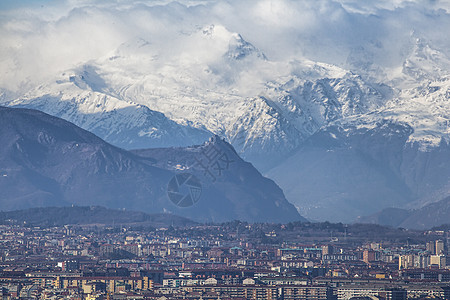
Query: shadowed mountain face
x=431 y=215
x=223 y=175
x=46 y=161
x=346 y=171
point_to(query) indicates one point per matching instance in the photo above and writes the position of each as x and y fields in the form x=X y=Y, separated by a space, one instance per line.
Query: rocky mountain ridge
x=47 y=161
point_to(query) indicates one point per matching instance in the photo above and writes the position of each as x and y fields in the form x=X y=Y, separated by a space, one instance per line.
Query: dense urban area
x=234 y=260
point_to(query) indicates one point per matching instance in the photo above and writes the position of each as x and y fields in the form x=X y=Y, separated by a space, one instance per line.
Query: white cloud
x=43 y=38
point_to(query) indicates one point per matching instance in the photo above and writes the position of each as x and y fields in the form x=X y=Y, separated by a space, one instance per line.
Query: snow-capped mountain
x=349 y=112
x=135 y=99
x=81 y=97
x=393 y=156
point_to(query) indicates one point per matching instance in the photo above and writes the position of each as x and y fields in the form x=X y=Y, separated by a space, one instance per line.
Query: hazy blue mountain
x=230 y=177
x=46 y=161
x=430 y=215
x=354 y=169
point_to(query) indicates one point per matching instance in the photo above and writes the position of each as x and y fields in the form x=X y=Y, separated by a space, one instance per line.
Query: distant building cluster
x=213 y=262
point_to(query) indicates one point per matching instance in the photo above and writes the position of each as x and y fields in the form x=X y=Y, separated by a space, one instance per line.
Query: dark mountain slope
x=223 y=174
x=45 y=161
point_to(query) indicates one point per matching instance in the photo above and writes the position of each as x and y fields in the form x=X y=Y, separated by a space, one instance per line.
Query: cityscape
x=233 y=260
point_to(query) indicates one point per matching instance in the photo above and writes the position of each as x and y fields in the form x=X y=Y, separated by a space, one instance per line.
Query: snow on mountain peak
x=233 y=91
x=196 y=70
x=240 y=48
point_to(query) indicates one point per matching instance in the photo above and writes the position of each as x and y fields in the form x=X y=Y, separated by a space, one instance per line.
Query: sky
x=40 y=38
x=9 y=4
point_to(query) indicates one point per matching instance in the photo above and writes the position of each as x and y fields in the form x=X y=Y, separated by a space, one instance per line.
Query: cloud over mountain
x=45 y=37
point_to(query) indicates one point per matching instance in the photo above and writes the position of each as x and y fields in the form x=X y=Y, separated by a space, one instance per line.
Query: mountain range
x=354 y=122
x=431 y=215
x=47 y=161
